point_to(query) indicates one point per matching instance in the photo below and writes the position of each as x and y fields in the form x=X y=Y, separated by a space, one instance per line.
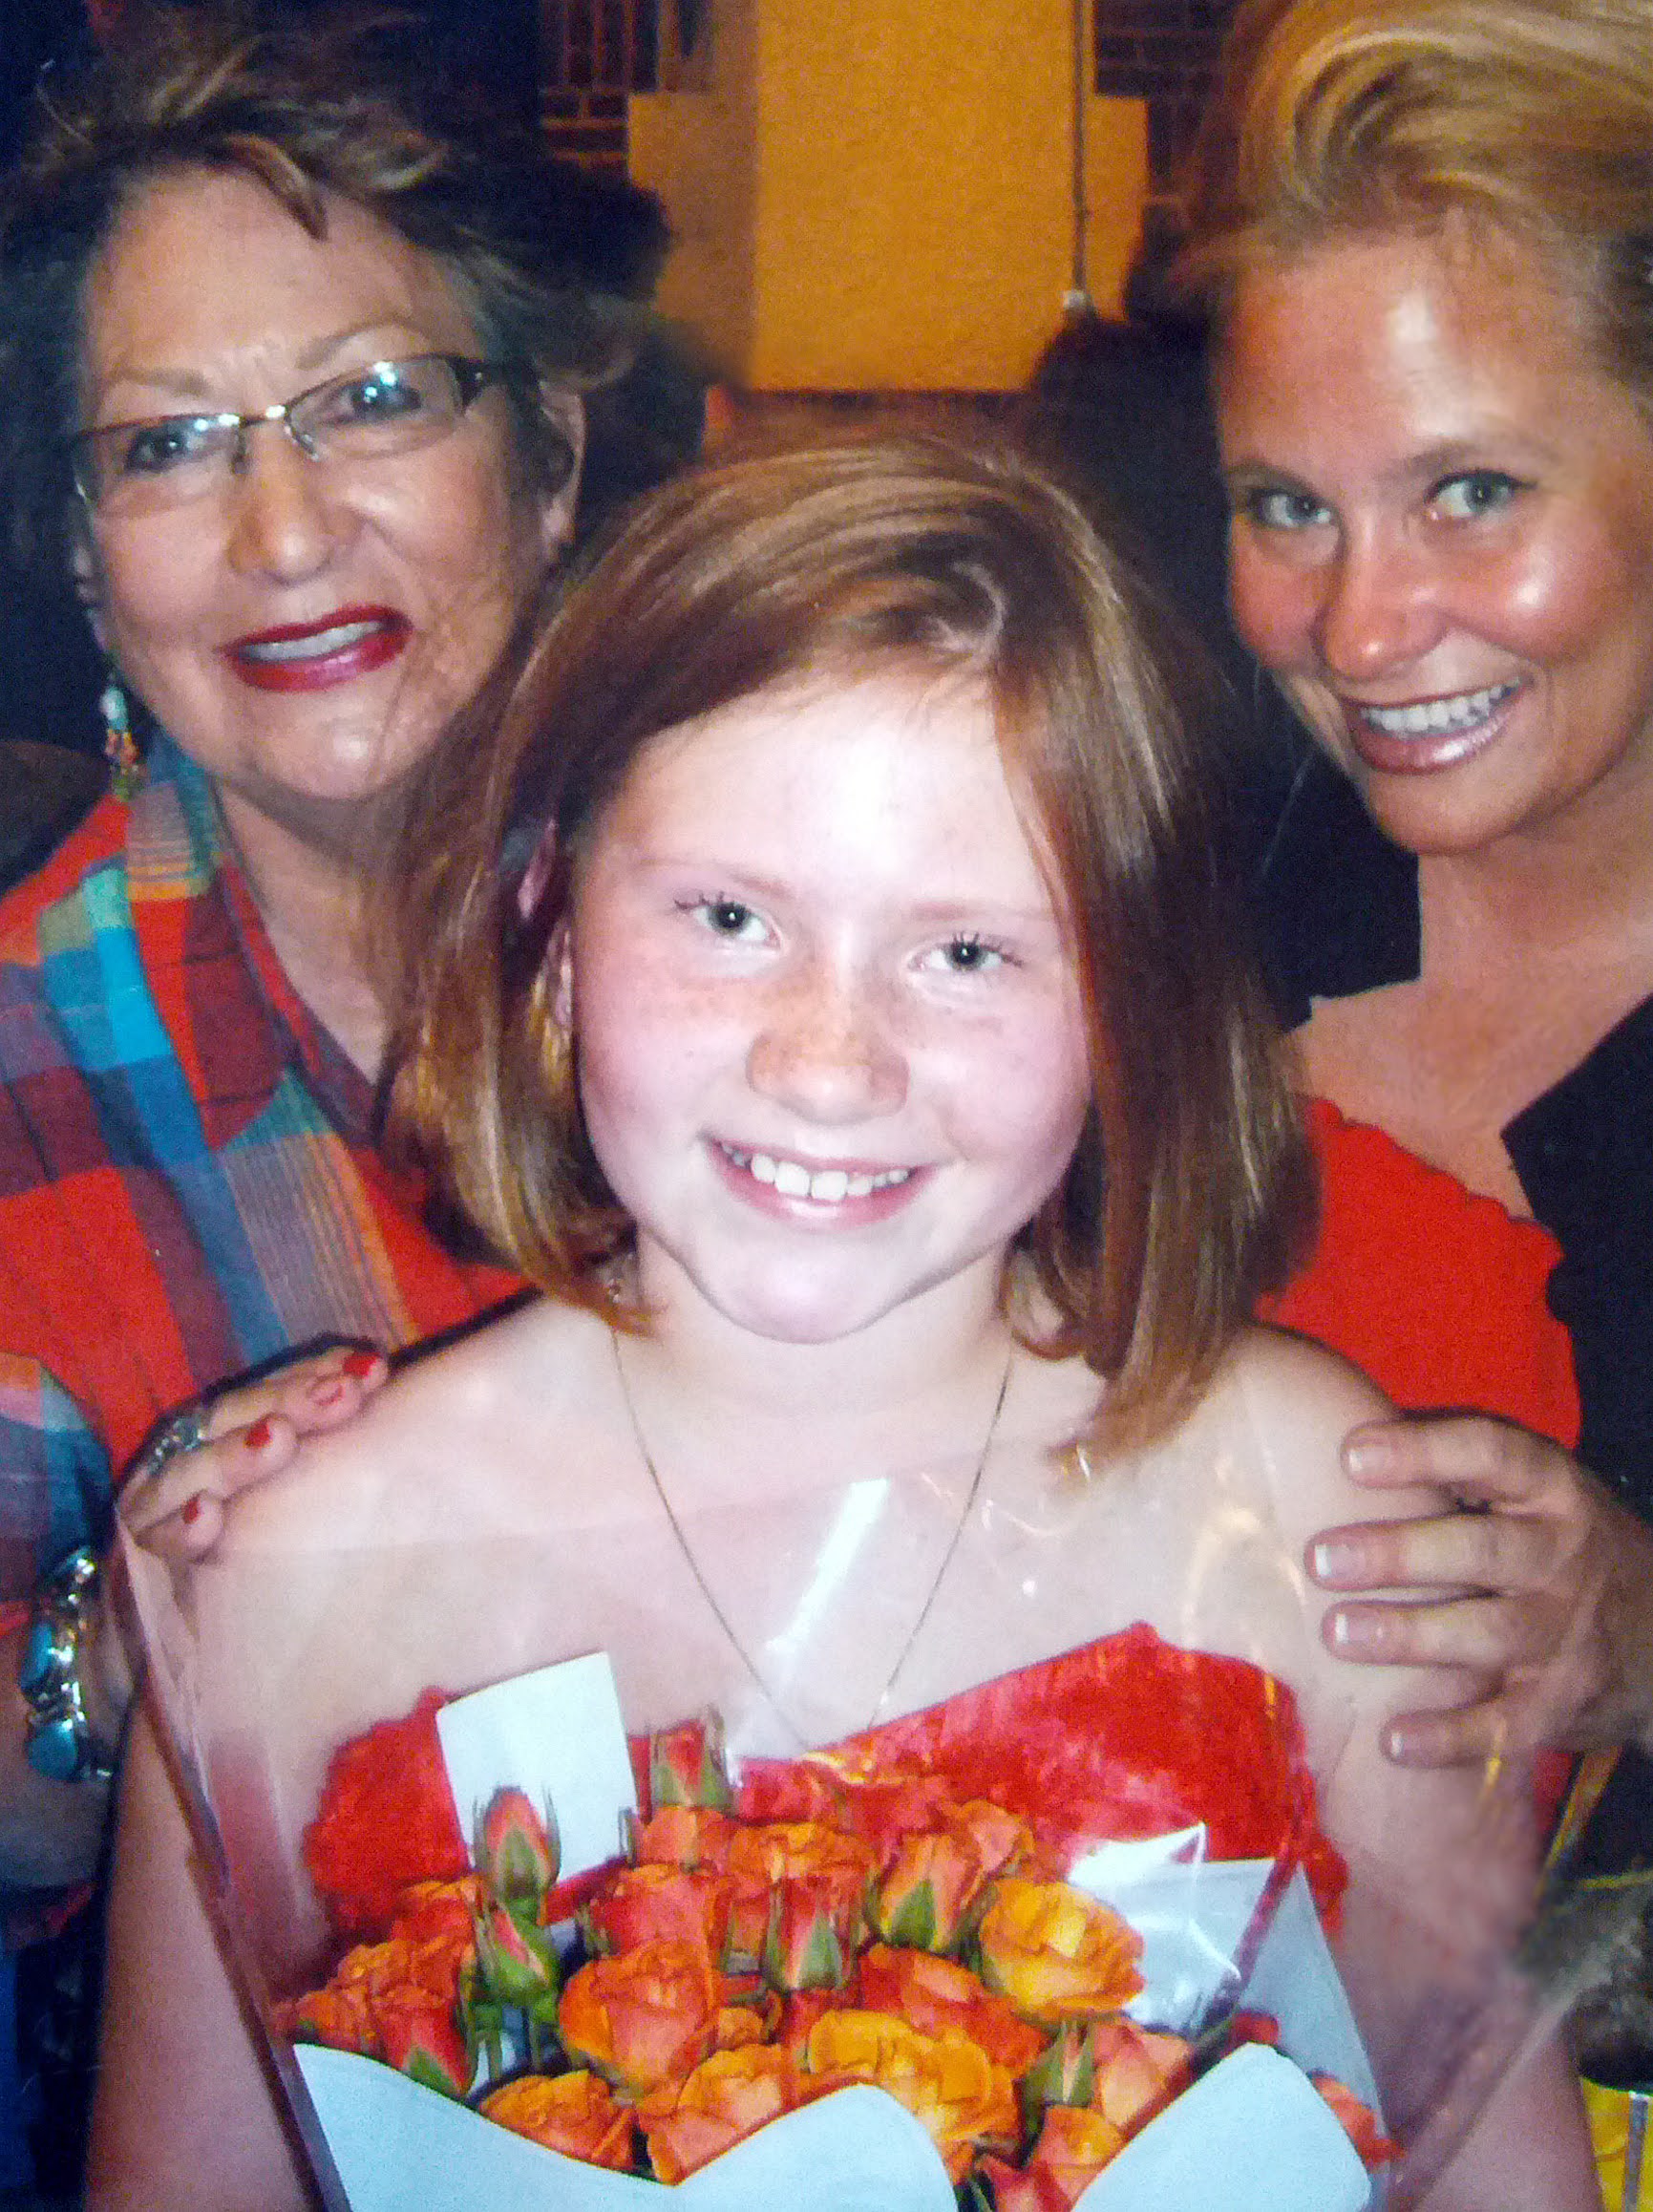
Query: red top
x=1433 y=1291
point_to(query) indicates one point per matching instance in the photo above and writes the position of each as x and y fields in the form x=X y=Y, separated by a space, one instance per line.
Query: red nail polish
x=259 y=1435
x=190 y=1512
x=360 y=1363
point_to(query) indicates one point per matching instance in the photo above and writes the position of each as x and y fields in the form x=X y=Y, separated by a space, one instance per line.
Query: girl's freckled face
x=831 y=1047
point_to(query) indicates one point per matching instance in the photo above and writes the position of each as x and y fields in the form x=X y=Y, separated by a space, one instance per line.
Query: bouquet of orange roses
x=1052 y=1927
x=771 y=1945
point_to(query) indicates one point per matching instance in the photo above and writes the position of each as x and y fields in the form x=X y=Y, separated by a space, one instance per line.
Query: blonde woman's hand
x=173 y=1499
x=1536 y=1581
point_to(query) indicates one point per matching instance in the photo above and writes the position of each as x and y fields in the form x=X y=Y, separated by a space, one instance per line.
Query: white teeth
x=827 y=1186
x=312 y=647
x=1434 y=717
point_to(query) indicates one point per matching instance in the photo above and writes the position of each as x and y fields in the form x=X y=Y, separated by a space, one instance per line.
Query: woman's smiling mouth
x=352 y=641
x=1425 y=734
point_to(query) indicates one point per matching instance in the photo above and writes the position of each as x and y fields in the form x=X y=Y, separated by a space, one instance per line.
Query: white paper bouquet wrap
x=1154 y=1765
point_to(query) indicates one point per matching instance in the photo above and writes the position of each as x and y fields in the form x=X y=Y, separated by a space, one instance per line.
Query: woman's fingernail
x=1368 y=1455
x=361 y=1363
x=1329 y=1562
x=190 y=1511
x=1399 y=1744
x=326 y=1391
x=259 y=1435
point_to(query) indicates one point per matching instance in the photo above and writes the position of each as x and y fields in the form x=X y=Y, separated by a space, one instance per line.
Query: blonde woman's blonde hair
x=1530 y=118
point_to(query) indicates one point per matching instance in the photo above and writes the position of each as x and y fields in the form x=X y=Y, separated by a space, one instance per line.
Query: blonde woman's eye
x=1476 y=492
x=1277 y=507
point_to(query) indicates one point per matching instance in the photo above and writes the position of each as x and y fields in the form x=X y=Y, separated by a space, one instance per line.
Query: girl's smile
x=830 y=1043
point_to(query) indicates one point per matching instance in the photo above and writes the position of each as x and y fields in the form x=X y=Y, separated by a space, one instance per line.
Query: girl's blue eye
x=730 y=918
x=1476 y=492
x=969 y=955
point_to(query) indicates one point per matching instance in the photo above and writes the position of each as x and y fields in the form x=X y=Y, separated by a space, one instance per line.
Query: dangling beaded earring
x=119 y=746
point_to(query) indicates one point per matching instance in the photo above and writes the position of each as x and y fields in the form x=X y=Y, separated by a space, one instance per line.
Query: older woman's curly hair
x=538 y=253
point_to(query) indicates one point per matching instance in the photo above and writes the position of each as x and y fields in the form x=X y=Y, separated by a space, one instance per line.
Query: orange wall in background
x=874 y=195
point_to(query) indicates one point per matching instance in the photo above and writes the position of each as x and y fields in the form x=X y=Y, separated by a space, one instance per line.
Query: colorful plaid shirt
x=187 y=1187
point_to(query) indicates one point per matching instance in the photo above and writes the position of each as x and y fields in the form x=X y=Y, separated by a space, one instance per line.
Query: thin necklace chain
x=722 y=1618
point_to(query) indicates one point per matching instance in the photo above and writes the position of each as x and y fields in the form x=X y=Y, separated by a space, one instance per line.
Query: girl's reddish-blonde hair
x=1189 y=1182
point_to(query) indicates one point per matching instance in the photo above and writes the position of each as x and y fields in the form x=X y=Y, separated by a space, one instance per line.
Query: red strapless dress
x=1125 y=1739
x=1433 y=1291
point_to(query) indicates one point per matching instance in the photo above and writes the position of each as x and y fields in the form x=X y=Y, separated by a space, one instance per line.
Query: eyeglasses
x=372 y=414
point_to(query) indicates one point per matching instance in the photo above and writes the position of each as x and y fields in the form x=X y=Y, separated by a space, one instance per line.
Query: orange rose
x=801 y=2008
x=408 y=1973
x=945 y=2081
x=642 y=1903
x=1056 y=1953
x=1139 y=2071
x=343 y=2019
x=1074 y=2145
x=430 y=1963
x=394 y=2001
x=727 y=2097
x=932 y=1994
x=738 y=2027
x=643 y=2019
x=922 y=1899
x=693 y=1836
x=800 y=1902
x=1357 y=2121
x=517 y=1847
x=440 y=1908
x=417 y=2036
x=576 y=2113
x=686 y=1765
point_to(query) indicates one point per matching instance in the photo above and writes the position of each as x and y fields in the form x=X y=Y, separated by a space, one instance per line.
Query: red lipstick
x=313 y=656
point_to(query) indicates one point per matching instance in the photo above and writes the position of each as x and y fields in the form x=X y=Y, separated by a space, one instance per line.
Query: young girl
x=827 y=996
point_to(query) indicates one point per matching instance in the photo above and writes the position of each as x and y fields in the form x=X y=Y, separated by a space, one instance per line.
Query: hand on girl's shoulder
x=1301 y=1401
x=446 y=1448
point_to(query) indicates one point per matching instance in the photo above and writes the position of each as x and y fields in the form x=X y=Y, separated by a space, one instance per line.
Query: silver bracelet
x=58 y=1739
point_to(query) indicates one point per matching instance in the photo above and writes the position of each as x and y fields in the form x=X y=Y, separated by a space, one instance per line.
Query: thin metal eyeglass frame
x=472 y=378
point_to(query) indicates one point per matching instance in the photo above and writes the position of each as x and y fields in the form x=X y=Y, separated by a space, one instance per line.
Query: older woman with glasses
x=293 y=387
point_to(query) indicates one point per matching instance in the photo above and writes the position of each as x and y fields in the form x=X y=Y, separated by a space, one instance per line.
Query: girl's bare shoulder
x=1298 y=1403
x=449 y=1446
